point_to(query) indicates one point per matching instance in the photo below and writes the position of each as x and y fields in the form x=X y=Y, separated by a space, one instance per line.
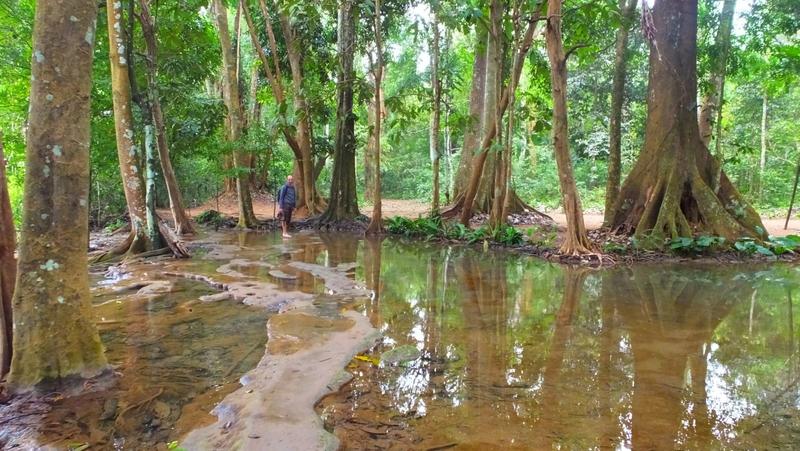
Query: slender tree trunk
x=343 y=204
x=576 y=242
x=183 y=224
x=436 y=112
x=669 y=191
x=762 y=162
x=369 y=150
x=8 y=267
x=247 y=218
x=54 y=331
x=794 y=189
x=627 y=9
x=472 y=134
x=376 y=223
x=129 y=156
x=303 y=135
x=711 y=110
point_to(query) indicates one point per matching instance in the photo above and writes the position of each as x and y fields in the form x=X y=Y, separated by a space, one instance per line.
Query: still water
x=479 y=350
x=495 y=351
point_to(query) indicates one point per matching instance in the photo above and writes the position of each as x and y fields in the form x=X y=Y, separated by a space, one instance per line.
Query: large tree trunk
x=343 y=204
x=617 y=100
x=471 y=199
x=8 y=267
x=183 y=224
x=472 y=134
x=129 y=158
x=247 y=218
x=493 y=75
x=575 y=241
x=376 y=223
x=54 y=331
x=669 y=191
x=436 y=113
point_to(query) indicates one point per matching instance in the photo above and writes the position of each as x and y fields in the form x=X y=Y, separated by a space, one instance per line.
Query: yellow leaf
x=366 y=358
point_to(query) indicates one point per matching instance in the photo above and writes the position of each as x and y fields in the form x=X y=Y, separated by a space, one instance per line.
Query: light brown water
x=492 y=351
x=479 y=350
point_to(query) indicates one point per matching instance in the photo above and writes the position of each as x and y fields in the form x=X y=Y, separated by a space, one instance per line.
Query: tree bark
x=343 y=204
x=247 y=218
x=669 y=191
x=576 y=242
x=489 y=129
x=472 y=134
x=626 y=10
x=711 y=110
x=183 y=224
x=376 y=223
x=129 y=157
x=54 y=331
x=762 y=161
x=436 y=113
x=8 y=267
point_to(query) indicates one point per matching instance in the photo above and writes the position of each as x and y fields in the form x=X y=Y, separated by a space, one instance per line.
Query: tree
x=492 y=83
x=576 y=242
x=669 y=191
x=183 y=224
x=436 y=112
x=343 y=205
x=8 y=267
x=129 y=158
x=626 y=12
x=711 y=110
x=53 y=284
x=235 y=122
x=376 y=223
x=472 y=132
x=301 y=140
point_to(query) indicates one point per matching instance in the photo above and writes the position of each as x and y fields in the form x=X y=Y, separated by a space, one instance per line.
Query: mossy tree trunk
x=712 y=102
x=627 y=8
x=8 y=267
x=669 y=191
x=54 y=330
x=183 y=224
x=576 y=242
x=247 y=218
x=343 y=204
x=376 y=223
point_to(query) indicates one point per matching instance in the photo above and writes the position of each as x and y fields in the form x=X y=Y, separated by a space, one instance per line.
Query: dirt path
x=263 y=206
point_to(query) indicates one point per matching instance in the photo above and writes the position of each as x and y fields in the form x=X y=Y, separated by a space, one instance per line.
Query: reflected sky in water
x=514 y=352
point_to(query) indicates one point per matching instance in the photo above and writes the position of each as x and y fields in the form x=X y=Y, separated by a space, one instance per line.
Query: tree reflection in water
x=518 y=353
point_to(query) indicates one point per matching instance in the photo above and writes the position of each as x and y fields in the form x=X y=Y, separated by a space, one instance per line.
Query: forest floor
x=264 y=207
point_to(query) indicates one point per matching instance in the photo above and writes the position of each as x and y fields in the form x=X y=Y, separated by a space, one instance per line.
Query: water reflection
x=518 y=353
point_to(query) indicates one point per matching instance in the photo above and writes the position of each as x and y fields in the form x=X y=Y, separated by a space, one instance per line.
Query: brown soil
x=264 y=207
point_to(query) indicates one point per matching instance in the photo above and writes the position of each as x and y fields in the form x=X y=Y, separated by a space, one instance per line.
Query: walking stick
x=275 y=205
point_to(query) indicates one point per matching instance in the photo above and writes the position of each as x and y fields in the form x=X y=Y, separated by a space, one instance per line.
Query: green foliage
x=211 y=217
x=433 y=227
x=696 y=245
x=772 y=247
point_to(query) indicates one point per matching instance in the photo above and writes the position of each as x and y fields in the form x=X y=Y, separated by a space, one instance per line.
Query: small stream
x=478 y=350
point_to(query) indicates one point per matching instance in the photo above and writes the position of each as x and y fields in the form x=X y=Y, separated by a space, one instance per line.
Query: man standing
x=287 y=198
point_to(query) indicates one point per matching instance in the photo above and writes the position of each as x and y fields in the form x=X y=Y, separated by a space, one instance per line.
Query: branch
x=572 y=49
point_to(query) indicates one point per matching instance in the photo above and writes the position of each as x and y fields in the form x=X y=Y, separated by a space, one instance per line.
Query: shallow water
x=495 y=351
x=480 y=350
